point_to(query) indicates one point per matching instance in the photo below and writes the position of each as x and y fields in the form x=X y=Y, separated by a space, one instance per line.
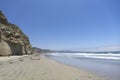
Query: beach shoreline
x=41 y=68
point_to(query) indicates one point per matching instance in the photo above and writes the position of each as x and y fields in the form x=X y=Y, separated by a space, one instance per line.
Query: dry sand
x=36 y=68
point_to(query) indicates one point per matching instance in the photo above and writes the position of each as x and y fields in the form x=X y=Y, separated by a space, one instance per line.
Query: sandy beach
x=40 y=68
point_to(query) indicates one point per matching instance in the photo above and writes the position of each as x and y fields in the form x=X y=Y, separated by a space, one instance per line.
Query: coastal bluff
x=12 y=40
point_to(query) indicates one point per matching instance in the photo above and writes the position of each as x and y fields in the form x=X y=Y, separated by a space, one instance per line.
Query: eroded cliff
x=12 y=40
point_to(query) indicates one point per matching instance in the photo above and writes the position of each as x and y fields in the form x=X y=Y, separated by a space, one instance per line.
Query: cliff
x=12 y=40
x=39 y=50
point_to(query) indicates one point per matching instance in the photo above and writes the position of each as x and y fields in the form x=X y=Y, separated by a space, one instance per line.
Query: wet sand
x=107 y=68
x=41 y=68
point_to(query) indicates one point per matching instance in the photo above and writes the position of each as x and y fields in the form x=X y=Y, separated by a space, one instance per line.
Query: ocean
x=104 y=65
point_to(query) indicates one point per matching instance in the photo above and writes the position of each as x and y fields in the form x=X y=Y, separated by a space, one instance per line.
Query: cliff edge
x=12 y=40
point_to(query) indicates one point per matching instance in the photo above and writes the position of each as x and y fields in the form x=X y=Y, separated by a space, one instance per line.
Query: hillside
x=12 y=40
x=39 y=50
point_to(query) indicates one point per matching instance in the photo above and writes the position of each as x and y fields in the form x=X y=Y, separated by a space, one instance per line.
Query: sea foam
x=88 y=55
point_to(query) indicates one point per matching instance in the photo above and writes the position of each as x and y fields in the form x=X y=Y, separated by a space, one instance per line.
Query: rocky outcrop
x=5 y=48
x=12 y=39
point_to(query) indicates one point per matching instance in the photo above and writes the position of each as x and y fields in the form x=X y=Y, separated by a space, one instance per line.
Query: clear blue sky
x=66 y=24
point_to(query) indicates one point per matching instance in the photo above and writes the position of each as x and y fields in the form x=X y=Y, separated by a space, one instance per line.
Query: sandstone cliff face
x=12 y=40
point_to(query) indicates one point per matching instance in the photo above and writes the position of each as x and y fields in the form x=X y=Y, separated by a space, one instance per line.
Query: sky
x=66 y=24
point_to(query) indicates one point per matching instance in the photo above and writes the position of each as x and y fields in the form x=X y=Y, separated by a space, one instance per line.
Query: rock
x=3 y=19
x=13 y=39
x=4 y=49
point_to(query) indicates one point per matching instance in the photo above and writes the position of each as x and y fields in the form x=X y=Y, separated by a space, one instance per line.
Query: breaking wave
x=88 y=55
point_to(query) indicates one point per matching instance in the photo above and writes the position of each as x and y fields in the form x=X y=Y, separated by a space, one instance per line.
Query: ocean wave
x=88 y=55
